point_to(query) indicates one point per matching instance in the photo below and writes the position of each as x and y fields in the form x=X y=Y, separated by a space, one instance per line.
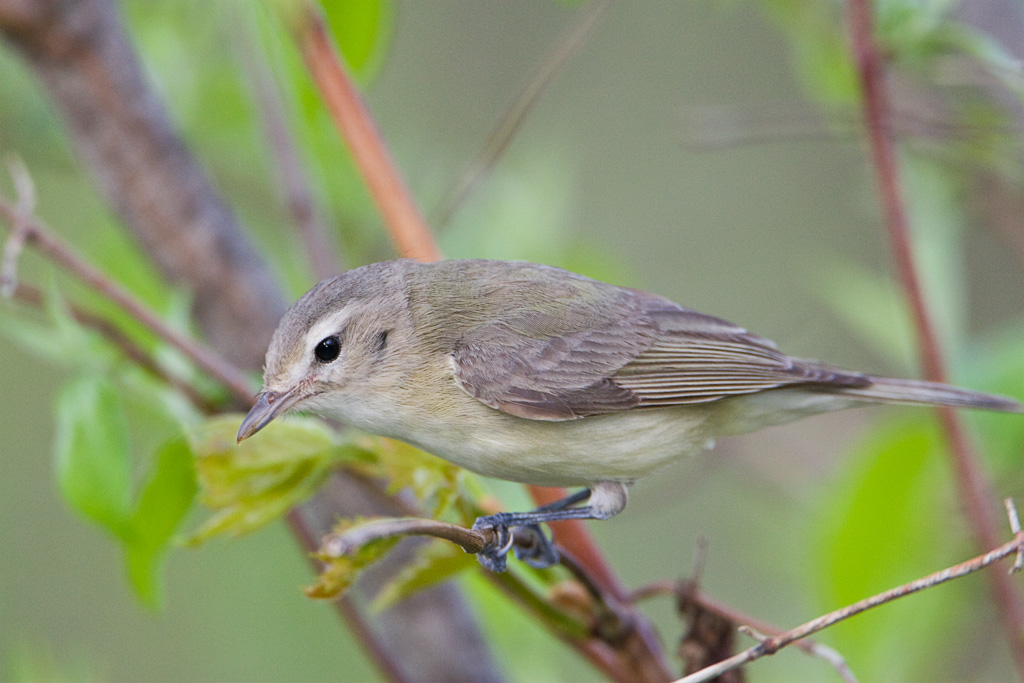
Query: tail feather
x=919 y=392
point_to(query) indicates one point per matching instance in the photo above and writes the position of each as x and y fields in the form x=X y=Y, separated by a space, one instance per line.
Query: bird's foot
x=537 y=552
x=492 y=555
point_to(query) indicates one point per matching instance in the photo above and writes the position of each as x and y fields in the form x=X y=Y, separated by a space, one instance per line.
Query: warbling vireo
x=538 y=375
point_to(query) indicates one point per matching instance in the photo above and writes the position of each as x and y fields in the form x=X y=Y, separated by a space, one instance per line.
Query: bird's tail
x=919 y=392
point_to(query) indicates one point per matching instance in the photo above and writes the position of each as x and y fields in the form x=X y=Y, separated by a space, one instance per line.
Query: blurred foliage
x=438 y=561
x=122 y=462
x=93 y=451
x=887 y=517
x=93 y=465
x=259 y=480
x=339 y=573
x=31 y=663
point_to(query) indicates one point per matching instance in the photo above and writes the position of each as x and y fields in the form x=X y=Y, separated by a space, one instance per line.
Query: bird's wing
x=650 y=352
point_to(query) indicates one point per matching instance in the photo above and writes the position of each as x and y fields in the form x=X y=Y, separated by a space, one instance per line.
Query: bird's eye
x=327 y=350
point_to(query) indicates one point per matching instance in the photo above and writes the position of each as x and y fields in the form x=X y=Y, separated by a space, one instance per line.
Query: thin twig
x=135 y=353
x=321 y=250
x=674 y=589
x=773 y=644
x=731 y=126
x=508 y=125
x=974 y=489
x=816 y=649
x=25 y=191
x=402 y=219
x=1011 y=513
x=40 y=236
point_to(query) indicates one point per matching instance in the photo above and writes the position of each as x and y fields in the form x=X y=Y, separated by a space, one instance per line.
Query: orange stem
x=402 y=219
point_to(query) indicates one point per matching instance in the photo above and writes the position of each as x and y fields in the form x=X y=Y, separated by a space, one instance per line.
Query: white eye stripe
x=328 y=326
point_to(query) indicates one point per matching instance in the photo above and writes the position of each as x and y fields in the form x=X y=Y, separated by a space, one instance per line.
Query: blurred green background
x=626 y=170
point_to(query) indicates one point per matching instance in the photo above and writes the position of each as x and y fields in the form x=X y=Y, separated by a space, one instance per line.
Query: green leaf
x=431 y=479
x=997 y=366
x=888 y=521
x=47 y=338
x=361 y=29
x=820 y=52
x=93 y=463
x=162 y=505
x=257 y=481
x=435 y=563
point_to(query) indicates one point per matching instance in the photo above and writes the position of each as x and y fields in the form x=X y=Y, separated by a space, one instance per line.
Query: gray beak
x=269 y=404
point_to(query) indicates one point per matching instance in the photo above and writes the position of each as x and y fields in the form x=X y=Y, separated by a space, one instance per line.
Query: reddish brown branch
x=402 y=219
x=974 y=489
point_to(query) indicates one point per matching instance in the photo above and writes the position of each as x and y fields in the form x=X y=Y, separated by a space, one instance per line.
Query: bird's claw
x=492 y=556
x=539 y=554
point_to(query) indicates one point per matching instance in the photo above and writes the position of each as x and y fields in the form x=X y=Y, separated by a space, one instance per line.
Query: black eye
x=327 y=350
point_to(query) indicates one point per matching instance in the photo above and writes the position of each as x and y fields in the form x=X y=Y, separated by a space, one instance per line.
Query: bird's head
x=333 y=345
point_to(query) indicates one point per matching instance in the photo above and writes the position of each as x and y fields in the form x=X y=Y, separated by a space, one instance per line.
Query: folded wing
x=635 y=350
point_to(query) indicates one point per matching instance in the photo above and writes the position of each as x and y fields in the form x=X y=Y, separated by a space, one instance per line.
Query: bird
x=534 y=374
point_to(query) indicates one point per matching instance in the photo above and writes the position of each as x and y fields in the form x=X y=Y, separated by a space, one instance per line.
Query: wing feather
x=628 y=350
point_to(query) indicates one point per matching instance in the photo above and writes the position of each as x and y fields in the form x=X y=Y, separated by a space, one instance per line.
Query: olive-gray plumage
x=535 y=374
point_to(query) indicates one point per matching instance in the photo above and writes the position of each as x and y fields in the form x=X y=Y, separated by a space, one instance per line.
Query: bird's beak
x=269 y=404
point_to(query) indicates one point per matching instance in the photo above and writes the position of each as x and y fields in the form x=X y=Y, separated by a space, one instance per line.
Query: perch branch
x=612 y=641
x=348 y=542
